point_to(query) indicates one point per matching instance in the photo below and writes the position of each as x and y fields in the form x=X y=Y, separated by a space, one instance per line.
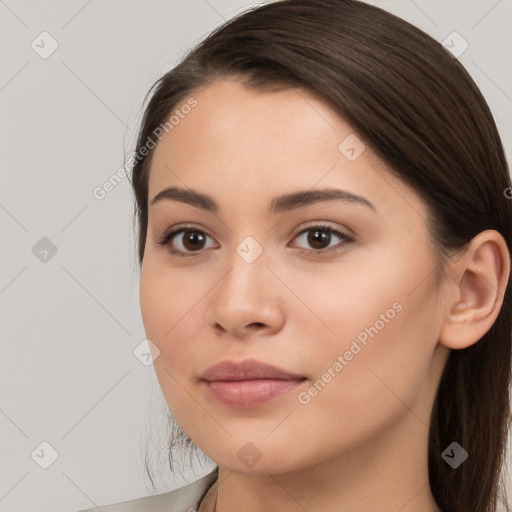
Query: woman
x=325 y=239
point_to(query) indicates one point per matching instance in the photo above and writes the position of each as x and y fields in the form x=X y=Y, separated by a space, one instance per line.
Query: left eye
x=319 y=238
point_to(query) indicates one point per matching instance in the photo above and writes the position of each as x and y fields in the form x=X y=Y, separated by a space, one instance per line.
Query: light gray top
x=183 y=499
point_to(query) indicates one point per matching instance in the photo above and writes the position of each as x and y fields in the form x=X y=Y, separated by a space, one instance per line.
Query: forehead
x=240 y=143
x=248 y=132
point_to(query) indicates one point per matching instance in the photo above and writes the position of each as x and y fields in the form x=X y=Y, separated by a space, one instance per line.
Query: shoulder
x=183 y=499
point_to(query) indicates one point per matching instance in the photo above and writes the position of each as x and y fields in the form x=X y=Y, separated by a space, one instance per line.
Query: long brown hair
x=420 y=111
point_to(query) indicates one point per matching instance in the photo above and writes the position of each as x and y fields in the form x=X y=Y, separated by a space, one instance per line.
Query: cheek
x=375 y=384
x=172 y=302
x=165 y=300
x=375 y=314
x=169 y=302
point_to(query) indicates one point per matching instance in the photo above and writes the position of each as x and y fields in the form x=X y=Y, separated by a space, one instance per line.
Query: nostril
x=219 y=328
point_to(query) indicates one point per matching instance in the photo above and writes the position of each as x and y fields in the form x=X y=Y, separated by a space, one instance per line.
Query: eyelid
x=325 y=224
x=174 y=230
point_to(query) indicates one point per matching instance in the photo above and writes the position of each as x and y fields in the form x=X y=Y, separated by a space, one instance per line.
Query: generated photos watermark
x=101 y=191
x=356 y=346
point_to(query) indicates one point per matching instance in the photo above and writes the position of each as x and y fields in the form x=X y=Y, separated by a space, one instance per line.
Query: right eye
x=185 y=241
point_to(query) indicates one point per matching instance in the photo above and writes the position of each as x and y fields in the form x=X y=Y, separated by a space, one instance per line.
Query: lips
x=248 y=369
x=248 y=383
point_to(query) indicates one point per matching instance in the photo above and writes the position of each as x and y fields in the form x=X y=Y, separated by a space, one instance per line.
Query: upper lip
x=249 y=369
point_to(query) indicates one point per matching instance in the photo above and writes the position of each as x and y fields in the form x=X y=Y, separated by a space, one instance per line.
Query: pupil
x=319 y=239
x=193 y=240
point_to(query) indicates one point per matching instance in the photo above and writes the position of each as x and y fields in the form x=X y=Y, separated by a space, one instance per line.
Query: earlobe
x=479 y=281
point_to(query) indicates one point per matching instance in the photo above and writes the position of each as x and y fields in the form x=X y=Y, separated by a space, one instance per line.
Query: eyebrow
x=280 y=204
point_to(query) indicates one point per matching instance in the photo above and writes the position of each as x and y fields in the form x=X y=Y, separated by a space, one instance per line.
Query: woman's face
x=353 y=314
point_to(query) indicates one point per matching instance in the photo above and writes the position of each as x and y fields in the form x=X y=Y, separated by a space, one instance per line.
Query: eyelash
x=167 y=237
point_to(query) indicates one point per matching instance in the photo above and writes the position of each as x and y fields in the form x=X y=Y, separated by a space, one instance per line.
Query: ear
x=477 y=285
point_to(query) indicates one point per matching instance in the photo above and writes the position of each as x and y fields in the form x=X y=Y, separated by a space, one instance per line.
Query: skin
x=361 y=442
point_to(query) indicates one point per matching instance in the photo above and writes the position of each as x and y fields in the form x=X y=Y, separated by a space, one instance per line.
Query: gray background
x=70 y=321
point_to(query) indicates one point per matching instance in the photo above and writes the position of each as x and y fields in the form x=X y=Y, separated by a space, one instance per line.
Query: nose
x=247 y=301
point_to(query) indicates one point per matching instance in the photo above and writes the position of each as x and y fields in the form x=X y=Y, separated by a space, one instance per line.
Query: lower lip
x=245 y=394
